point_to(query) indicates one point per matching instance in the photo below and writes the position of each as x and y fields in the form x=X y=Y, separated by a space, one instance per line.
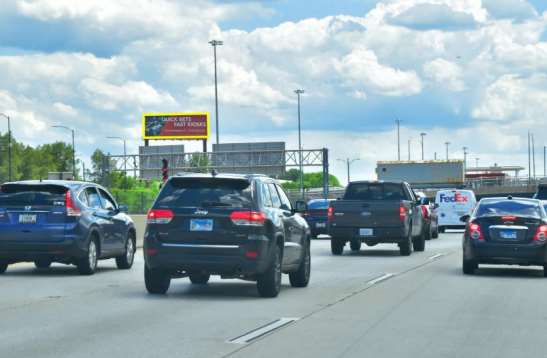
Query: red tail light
x=330 y=213
x=424 y=212
x=508 y=218
x=475 y=232
x=248 y=218
x=159 y=216
x=402 y=213
x=541 y=234
x=71 y=208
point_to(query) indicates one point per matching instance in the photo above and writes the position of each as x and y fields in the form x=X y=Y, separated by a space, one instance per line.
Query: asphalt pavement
x=374 y=303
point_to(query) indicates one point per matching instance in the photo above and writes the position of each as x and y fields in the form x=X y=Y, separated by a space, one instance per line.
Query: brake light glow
x=71 y=208
x=248 y=218
x=251 y=254
x=159 y=216
x=508 y=218
x=424 y=212
x=475 y=232
x=330 y=213
x=541 y=234
x=402 y=213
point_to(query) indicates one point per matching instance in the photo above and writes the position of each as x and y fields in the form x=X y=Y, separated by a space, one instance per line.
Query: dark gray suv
x=235 y=226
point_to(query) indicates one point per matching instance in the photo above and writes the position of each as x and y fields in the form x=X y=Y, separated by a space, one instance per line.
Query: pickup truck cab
x=376 y=212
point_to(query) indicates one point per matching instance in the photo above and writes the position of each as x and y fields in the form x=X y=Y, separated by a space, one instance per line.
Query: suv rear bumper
x=216 y=259
x=19 y=251
x=380 y=235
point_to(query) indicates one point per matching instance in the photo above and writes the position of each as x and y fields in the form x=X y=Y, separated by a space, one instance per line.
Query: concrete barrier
x=140 y=224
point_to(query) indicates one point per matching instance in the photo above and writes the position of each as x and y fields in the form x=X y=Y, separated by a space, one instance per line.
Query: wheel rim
x=130 y=251
x=92 y=255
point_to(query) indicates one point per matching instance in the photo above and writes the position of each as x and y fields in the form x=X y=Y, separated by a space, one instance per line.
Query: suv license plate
x=201 y=225
x=320 y=225
x=508 y=234
x=27 y=219
x=366 y=232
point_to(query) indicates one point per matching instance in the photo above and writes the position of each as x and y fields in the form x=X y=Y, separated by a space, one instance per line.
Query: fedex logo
x=456 y=198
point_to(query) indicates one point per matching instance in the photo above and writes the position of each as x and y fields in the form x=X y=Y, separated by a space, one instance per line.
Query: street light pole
x=124 y=152
x=298 y=93
x=447 y=144
x=477 y=162
x=398 y=121
x=73 y=150
x=423 y=135
x=9 y=144
x=348 y=162
x=409 y=140
x=464 y=161
x=216 y=43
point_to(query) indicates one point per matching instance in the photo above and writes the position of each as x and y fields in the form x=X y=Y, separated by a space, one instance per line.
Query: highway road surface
x=374 y=303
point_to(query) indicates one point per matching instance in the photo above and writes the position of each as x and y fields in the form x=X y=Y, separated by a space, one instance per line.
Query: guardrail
x=507 y=182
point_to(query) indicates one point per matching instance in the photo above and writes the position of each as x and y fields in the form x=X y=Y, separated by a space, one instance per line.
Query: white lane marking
x=384 y=277
x=434 y=257
x=261 y=331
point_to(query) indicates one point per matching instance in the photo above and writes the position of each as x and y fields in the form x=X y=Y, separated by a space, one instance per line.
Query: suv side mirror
x=465 y=218
x=300 y=206
x=123 y=209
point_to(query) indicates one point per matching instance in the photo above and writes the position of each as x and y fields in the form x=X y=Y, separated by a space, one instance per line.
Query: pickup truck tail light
x=424 y=212
x=403 y=212
x=330 y=213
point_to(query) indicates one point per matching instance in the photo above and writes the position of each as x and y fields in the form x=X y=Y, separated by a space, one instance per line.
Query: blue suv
x=63 y=221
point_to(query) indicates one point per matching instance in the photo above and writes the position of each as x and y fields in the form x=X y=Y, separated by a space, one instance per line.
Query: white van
x=451 y=205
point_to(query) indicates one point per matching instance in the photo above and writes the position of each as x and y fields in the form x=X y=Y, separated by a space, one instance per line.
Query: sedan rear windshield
x=205 y=193
x=510 y=208
x=17 y=195
x=375 y=191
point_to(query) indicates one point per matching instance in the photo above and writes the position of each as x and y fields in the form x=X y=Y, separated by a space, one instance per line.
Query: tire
x=435 y=234
x=301 y=277
x=269 y=282
x=337 y=246
x=199 y=278
x=442 y=229
x=3 y=267
x=157 y=281
x=406 y=247
x=88 y=264
x=544 y=270
x=469 y=266
x=419 y=243
x=355 y=246
x=42 y=263
x=125 y=261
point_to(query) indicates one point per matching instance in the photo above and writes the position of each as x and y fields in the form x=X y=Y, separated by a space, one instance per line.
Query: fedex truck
x=451 y=205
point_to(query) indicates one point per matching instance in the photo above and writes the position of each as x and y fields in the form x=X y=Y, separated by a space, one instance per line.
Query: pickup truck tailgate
x=349 y=213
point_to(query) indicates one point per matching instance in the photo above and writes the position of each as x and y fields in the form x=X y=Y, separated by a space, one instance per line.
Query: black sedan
x=510 y=231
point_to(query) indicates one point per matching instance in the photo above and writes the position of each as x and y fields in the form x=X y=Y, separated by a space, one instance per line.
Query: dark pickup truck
x=376 y=212
x=541 y=193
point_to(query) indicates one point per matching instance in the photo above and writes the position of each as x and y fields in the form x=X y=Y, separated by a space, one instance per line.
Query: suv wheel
x=301 y=277
x=442 y=230
x=337 y=246
x=42 y=263
x=469 y=266
x=269 y=282
x=88 y=265
x=3 y=266
x=156 y=281
x=355 y=245
x=199 y=278
x=435 y=234
x=125 y=261
x=419 y=243
x=406 y=247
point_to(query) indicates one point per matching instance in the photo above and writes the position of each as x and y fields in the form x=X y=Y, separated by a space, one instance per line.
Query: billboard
x=175 y=125
x=250 y=158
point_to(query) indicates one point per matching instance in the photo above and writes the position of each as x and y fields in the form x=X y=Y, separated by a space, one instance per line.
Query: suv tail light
x=159 y=216
x=475 y=232
x=71 y=208
x=402 y=212
x=330 y=213
x=541 y=234
x=248 y=218
x=424 y=212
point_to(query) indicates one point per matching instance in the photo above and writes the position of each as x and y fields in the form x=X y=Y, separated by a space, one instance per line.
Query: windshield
x=509 y=207
x=205 y=193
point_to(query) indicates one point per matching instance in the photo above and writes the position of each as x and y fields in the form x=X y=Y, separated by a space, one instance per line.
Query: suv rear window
x=375 y=191
x=205 y=193
x=508 y=207
x=318 y=204
x=31 y=195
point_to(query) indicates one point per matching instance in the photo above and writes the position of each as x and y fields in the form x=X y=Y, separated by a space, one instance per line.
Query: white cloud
x=431 y=16
x=65 y=109
x=445 y=73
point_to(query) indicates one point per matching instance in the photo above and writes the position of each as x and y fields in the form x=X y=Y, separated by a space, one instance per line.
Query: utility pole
x=299 y=92
x=216 y=43
x=9 y=146
x=435 y=155
x=398 y=121
x=409 y=140
x=423 y=134
x=348 y=162
x=73 y=150
x=447 y=144
x=544 y=161
x=533 y=156
x=465 y=157
x=477 y=162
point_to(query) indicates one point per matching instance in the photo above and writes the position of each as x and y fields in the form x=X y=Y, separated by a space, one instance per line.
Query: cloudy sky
x=471 y=72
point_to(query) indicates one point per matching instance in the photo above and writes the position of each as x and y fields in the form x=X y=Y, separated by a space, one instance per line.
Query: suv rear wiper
x=213 y=203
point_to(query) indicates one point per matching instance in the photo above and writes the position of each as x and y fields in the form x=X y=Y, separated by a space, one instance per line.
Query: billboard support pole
x=146 y=142
x=325 y=173
x=205 y=146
